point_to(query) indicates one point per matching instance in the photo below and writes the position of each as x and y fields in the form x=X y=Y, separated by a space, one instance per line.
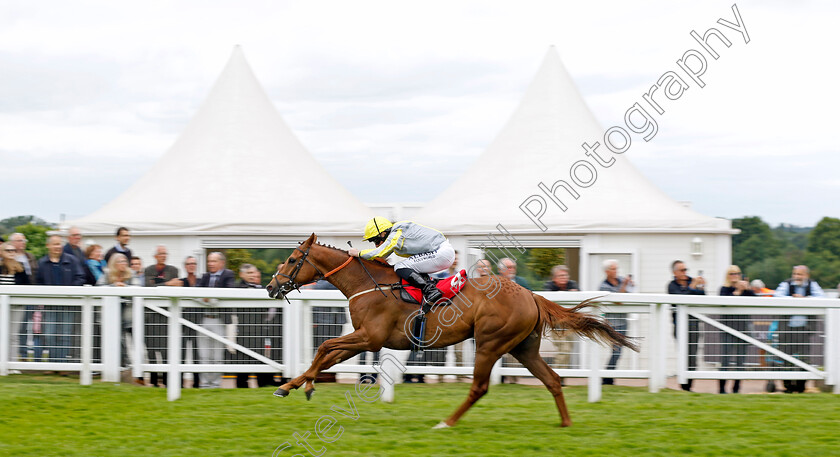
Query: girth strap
x=391 y=287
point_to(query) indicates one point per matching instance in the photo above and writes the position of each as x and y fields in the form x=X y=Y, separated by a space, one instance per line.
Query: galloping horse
x=502 y=316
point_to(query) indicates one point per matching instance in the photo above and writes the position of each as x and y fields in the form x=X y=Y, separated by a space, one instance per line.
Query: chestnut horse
x=502 y=316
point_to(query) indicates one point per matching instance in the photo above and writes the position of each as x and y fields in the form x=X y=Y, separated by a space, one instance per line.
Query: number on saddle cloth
x=449 y=286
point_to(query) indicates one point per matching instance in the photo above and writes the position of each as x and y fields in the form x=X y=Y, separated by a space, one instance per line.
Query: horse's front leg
x=329 y=353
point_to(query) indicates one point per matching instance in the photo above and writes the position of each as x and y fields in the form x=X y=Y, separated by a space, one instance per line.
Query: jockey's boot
x=430 y=291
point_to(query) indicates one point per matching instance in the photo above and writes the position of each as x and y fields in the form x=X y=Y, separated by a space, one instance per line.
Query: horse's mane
x=332 y=247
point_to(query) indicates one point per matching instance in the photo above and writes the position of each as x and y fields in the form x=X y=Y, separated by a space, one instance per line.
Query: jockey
x=428 y=251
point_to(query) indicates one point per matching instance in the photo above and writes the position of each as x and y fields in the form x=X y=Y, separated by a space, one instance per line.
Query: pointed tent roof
x=237 y=167
x=540 y=143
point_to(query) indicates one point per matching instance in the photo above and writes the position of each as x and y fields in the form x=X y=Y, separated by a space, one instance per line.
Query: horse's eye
x=292 y=260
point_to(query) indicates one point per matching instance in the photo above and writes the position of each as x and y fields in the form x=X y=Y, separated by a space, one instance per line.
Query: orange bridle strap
x=346 y=262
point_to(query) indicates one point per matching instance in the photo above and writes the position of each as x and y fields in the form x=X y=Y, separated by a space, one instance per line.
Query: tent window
x=535 y=264
x=266 y=259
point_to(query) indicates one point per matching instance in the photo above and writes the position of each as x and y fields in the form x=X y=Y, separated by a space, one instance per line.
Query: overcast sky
x=93 y=92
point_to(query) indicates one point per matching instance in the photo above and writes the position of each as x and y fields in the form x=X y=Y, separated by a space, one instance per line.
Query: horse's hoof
x=442 y=424
x=309 y=394
x=281 y=392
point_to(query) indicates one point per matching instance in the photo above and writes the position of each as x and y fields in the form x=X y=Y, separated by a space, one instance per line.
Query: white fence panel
x=100 y=340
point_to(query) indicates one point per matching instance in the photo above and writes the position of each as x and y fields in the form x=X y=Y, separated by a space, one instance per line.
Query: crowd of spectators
x=55 y=329
x=790 y=334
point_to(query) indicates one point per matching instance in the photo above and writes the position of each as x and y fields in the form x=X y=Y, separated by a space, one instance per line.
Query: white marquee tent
x=621 y=215
x=539 y=144
x=236 y=168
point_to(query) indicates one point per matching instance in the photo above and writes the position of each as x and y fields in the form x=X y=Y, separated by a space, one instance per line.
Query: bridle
x=291 y=284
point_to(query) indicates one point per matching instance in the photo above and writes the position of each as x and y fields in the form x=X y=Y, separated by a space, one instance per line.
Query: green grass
x=46 y=416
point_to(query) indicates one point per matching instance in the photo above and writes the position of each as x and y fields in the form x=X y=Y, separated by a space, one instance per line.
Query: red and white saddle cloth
x=448 y=286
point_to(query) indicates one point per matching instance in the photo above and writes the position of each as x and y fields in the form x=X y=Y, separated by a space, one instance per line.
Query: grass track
x=49 y=416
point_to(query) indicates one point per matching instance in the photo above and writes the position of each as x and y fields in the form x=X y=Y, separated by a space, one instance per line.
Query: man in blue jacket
x=59 y=268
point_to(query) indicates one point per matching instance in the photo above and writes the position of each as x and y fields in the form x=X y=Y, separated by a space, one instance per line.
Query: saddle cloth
x=448 y=286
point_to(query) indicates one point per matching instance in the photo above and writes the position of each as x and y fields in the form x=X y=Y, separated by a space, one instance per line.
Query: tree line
x=769 y=253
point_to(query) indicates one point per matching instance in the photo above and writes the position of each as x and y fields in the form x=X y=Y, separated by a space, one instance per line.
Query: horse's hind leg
x=528 y=354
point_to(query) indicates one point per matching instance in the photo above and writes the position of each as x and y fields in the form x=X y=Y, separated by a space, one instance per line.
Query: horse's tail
x=573 y=319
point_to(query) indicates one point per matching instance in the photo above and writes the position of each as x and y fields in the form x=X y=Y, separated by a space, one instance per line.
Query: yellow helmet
x=376 y=226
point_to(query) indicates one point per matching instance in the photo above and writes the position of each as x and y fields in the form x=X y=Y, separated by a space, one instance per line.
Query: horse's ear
x=312 y=238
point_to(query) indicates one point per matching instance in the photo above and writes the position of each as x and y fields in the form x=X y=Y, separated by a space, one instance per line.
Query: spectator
x=30 y=265
x=560 y=280
x=683 y=284
x=123 y=237
x=483 y=268
x=155 y=327
x=58 y=268
x=191 y=314
x=252 y=327
x=118 y=274
x=758 y=288
x=795 y=331
x=209 y=349
x=615 y=283
x=507 y=268
x=190 y=280
x=136 y=266
x=74 y=243
x=94 y=263
x=12 y=273
x=733 y=349
x=94 y=269
x=160 y=272
x=799 y=285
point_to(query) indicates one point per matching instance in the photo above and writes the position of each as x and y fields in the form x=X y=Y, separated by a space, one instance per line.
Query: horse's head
x=296 y=271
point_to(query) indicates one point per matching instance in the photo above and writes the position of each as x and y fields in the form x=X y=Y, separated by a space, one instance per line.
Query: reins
x=371 y=278
x=346 y=262
x=290 y=284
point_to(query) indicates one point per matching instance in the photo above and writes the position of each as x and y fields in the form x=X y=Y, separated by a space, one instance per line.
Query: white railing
x=648 y=318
